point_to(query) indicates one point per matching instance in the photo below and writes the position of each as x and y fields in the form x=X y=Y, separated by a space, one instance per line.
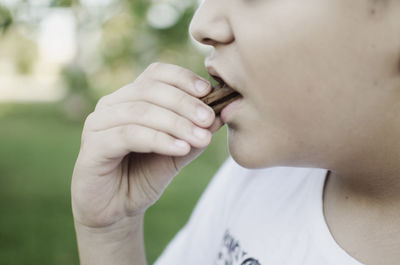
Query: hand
x=134 y=143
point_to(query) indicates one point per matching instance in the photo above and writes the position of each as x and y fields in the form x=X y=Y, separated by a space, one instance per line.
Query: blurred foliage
x=5 y=19
x=22 y=49
x=125 y=45
x=80 y=99
x=26 y=55
x=76 y=79
x=64 y=3
x=139 y=8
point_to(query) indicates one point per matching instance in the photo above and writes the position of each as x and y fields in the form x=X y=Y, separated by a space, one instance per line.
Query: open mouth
x=220 y=96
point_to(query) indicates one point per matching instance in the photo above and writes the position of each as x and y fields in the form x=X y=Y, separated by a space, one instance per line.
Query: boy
x=320 y=86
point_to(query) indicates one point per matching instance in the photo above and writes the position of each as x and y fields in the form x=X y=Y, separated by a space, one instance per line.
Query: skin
x=320 y=81
x=321 y=88
x=129 y=154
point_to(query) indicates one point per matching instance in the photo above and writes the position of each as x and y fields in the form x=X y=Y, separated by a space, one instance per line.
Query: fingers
x=172 y=75
x=179 y=77
x=116 y=142
x=151 y=116
x=160 y=112
x=165 y=96
x=217 y=124
x=182 y=161
x=119 y=141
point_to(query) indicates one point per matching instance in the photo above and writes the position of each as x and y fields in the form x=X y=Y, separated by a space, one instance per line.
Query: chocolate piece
x=219 y=97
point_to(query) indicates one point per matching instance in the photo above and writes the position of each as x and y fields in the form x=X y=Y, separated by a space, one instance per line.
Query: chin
x=243 y=160
x=248 y=154
x=251 y=152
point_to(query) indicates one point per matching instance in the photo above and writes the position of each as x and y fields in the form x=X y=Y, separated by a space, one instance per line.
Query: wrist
x=121 y=243
x=119 y=231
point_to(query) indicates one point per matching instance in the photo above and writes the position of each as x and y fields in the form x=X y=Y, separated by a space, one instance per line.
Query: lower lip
x=229 y=109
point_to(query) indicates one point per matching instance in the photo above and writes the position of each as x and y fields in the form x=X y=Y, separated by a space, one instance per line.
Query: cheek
x=283 y=63
x=299 y=64
x=303 y=84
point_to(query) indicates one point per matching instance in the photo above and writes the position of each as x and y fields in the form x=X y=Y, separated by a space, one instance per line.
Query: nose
x=210 y=25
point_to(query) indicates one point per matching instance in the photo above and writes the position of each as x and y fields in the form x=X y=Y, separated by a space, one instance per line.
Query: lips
x=220 y=97
x=217 y=77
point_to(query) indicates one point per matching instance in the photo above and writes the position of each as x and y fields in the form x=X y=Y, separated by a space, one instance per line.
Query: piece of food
x=219 y=97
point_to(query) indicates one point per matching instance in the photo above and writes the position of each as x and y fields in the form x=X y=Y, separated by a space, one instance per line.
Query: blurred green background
x=57 y=58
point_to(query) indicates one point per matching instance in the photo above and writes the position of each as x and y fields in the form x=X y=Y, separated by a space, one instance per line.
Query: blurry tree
x=79 y=99
x=22 y=49
x=115 y=41
x=26 y=54
x=63 y=3
x=5 y=19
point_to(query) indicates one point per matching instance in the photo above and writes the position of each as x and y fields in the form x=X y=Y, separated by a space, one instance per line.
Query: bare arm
x=121 y=244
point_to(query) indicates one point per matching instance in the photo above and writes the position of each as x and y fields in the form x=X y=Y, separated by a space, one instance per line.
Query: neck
x=363 y=215
x=380 y=190
x=371 y=175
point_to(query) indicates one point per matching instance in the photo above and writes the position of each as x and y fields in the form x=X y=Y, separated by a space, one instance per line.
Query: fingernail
x=200 y=133
x=200 y=85
x=202 y=113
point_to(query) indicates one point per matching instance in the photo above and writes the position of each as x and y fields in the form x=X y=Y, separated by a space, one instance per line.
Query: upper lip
x=214 y=74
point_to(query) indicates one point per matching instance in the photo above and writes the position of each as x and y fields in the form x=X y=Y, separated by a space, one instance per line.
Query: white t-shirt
x=271 y=216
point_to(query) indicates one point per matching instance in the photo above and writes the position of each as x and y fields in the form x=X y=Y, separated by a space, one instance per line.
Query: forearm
x=121 y=244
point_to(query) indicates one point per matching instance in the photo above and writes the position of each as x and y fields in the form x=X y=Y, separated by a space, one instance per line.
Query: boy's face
x=319 y=78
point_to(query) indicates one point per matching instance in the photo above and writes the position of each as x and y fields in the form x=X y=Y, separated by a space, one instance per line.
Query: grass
x=38 y=148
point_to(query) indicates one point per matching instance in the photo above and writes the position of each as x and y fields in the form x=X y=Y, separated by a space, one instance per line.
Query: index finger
x=179 y=77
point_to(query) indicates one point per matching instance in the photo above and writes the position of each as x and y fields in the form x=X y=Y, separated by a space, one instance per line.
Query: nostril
x=208 y=41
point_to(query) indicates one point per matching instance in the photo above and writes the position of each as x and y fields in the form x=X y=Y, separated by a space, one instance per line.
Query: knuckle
x=182 y=71
x=128 y=88
x=140 y=109
x=145 y=90
x=188 y=75
x=180 y=124
x=124 y=132
x=186 y=103
x=152 y=72
x=154 y=66
x=83 y=139
x=133 y=134
x=138 y=90
x=102 y=102
x=181 y=100
x=176 y=121
x=89 y=122
x=156 y=137
x=86 y=140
